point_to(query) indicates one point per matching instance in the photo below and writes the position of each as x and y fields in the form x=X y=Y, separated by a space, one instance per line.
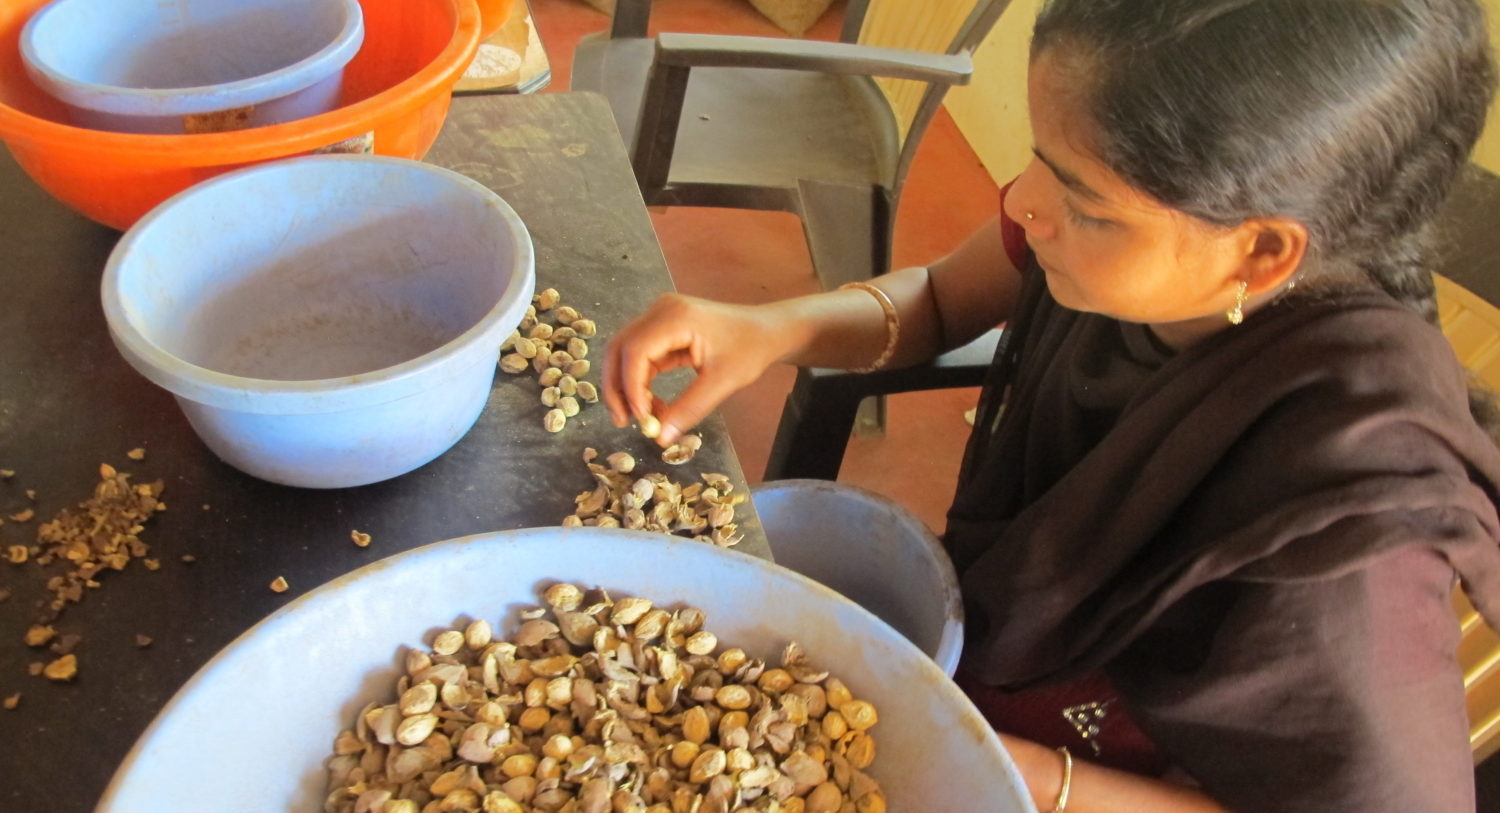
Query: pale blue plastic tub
x=183 y=66
x=327 y=321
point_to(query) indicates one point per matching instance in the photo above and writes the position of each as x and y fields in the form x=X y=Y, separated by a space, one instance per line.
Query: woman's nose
x=1021 y=205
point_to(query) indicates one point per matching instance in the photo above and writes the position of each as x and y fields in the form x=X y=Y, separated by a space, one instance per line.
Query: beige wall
x=991 y=111
x=1487 y=153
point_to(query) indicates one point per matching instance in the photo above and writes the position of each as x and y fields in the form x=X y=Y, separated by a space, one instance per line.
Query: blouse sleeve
x=1272 y=717
x=1012 y=233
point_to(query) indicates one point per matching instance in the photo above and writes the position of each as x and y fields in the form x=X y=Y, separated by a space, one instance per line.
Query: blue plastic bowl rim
x=125 y=101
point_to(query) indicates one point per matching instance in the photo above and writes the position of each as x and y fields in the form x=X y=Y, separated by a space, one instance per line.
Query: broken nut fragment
x=11 y=701
x=39 y=635
x=136 y=454
x=62 y=669
x=682 y=451
x=279 y=585
x=360 y=538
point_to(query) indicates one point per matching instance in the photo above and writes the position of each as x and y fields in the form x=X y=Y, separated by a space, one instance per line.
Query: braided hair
x=1353 y=117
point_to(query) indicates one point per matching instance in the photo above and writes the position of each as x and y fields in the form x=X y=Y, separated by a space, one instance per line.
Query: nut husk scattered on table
x=100 y=534
x=597 y=705
x=624 y=498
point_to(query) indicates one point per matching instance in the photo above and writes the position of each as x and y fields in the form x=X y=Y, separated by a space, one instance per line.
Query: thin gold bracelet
x=1067 y=783
x=892 y=324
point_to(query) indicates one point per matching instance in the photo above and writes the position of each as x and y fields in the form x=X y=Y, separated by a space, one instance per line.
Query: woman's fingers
x=718 y=341
x=632 y=360
x=703 y=395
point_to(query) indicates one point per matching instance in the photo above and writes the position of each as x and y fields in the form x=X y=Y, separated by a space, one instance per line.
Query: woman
x=1211 y=536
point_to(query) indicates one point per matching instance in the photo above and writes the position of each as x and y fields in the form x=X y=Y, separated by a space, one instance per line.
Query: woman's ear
x=1273 y=249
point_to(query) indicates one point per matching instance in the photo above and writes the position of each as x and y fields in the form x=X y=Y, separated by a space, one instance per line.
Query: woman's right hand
x=728 y=345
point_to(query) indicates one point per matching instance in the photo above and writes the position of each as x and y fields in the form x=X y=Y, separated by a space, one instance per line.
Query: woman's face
x=1105 y=247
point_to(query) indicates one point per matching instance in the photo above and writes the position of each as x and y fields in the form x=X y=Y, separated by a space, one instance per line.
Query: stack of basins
x=324 y=321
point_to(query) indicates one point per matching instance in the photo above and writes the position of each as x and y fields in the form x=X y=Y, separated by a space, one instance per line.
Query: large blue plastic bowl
x=324 y=322
x=190 y=66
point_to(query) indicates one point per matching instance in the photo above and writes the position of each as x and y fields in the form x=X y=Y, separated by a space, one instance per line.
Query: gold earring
x=1030 y=216
x=1237 y=313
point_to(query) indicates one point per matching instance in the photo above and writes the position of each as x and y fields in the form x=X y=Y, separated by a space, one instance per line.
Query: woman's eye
x=1081 y=219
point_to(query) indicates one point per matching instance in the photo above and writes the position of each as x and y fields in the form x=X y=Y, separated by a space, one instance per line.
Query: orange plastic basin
x=492 y=15
x=396 y=92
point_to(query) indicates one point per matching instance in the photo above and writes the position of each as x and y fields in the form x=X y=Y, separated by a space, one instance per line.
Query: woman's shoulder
x=1356 y=342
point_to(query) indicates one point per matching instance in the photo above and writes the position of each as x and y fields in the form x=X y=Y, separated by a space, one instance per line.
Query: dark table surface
x=69 y=402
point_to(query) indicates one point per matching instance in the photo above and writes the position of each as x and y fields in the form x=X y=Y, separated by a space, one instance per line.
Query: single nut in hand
x=650 y=426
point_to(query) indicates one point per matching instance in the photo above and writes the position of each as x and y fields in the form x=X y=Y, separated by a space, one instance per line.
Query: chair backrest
x=1472 y=326
x=931 y=26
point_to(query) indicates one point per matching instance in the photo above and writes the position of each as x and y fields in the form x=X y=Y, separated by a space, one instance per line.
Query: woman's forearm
x=938 y=308
x=1097 y=789
x=848 y=328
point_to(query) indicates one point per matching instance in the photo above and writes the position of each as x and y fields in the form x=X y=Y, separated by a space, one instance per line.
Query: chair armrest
x=630 y=19
x=677 y=54
x=820 y=410
x=961 y=367
x=718 y=51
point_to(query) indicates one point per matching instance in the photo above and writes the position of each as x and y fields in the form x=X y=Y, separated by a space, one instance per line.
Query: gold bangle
x=1067 y=782
x=892 y=324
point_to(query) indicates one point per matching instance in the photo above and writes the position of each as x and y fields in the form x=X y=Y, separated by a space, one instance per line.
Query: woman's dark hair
x=1353 y=117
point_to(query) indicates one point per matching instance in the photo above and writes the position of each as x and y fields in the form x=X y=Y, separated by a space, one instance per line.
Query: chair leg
x=848 y=231
x=814 y=431
x=869 y=418
x=849 y=237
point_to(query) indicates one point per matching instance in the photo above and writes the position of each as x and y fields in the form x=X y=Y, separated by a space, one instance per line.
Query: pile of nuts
x=606 y=707
x=558 y=353
x=652 y=502
x=102 y=534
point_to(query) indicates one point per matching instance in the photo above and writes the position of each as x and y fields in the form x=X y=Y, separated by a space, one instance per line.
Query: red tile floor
x=745 y=256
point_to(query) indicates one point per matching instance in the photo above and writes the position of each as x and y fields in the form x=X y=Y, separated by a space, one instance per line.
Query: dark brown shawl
x=1256 y=543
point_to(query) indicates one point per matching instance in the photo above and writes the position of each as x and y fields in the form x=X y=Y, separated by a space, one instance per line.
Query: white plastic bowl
x=871 y=550
x=145 y=66
x=324 y=322
x=252 y=730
